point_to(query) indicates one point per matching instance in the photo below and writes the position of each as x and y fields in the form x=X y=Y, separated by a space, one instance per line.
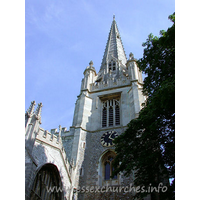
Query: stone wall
x=47 y=148
x=44 y=153
x=91 y=162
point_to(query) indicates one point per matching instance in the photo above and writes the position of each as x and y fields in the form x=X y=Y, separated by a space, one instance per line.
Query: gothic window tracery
x=111 y=113
x=117 y=114
x=110 y=116
x=104 y=115
x=108 y=166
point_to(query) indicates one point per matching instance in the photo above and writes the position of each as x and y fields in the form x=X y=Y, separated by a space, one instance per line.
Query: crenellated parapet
x=110 y=83
x=47 y=138
x=55 y=131
x=33 y=131
x=43 y=147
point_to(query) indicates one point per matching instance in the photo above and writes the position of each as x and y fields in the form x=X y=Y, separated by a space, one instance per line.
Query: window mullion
x=114 y=112
x=110 y=170
x=107 y=113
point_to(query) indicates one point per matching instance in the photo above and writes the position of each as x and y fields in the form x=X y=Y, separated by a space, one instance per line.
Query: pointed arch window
x=107 y=171
x=110 y=116
x=104 y=115
x=117 y=114
x=111 y=113
x=108 y=167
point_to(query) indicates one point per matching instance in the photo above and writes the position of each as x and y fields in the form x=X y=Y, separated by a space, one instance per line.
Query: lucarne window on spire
x=112 y=66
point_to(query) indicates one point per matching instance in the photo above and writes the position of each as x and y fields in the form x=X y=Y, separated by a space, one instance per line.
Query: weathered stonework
x=78 y=153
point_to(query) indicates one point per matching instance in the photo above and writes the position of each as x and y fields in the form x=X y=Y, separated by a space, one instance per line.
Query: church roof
x=114 y=47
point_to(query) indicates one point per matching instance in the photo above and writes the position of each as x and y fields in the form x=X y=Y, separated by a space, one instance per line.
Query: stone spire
x=114 y=48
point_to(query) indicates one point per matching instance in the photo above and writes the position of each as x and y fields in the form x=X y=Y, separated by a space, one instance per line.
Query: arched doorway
x=47 y=184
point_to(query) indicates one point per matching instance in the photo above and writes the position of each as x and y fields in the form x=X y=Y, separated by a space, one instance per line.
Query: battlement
x=55 y=131
x=48 y=138
x=111 y=83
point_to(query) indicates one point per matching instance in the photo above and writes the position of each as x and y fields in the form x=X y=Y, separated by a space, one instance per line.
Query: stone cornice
x=98 y=130
x=113 y=88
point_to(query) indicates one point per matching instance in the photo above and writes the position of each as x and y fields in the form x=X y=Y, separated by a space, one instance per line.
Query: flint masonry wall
x=89 y=175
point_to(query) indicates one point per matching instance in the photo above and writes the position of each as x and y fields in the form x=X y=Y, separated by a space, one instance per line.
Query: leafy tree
x=147 y=147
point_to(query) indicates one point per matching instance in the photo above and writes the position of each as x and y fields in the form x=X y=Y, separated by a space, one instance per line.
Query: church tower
x=108 y=100
x=78 y=162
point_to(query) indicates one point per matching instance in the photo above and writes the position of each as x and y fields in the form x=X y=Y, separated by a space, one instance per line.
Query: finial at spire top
x=113 y=16
x=91 y=63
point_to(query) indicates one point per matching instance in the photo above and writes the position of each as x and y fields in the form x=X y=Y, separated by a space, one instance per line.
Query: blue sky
x=62 y=36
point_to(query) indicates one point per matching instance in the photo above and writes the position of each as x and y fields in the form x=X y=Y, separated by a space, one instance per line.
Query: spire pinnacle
x=113 y=17
x=38 y=110
x=91 y=63
x=31 y=108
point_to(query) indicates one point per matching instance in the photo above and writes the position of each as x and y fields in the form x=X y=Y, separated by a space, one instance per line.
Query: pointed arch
x=111 y=112
x=47 y=183
x=105 y=169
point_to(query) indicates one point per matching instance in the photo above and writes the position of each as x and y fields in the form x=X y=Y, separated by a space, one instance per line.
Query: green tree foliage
x=148 y=144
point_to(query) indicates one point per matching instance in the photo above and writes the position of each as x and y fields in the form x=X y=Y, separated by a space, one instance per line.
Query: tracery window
x=108 y=167
x=104 y=117
x=117 y=114
x=111 y=113
x=47 y=184
x=110 y=116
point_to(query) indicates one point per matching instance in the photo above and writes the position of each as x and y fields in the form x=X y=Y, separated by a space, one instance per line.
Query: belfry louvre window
x=110 y=116
x=104 y=117
x=111 y=113
x=117 y=115
x=112 y=66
